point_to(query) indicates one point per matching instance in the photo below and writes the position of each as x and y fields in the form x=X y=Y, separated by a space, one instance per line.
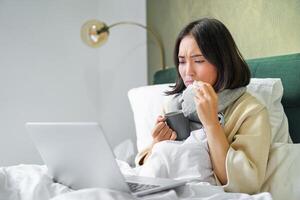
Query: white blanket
x=169 y=159
x=180 y=159
x=31 y=182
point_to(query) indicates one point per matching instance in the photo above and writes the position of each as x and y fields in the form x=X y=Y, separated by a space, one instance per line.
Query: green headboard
x=286 y=67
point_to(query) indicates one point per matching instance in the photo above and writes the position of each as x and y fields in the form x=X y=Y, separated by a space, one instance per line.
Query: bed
x=275 y=81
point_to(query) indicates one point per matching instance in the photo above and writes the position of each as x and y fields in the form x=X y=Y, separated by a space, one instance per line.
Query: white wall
x=48 y=74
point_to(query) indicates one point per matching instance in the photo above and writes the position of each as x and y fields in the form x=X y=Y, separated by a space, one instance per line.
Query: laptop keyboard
x=136 y=187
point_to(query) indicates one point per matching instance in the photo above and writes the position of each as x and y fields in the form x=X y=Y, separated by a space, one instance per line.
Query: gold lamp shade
x=94 y=33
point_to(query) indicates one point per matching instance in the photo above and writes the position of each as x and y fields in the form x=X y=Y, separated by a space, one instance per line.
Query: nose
x=189 y=69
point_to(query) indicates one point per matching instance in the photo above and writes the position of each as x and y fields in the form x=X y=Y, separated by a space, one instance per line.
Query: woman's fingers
x=173 y=136
x=168 y=134
x=199 y=94
x=206 y=94
x=157 y=128
x=165 y=133
x=162 y=131
x=211 y=90
x=205 y=89
x=160 y=119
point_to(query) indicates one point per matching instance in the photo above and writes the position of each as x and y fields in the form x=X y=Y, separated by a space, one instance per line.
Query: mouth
x=189 y=82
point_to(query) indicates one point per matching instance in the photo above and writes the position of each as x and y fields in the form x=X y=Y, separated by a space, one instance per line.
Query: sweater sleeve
x=142 y=156
x=247 y=157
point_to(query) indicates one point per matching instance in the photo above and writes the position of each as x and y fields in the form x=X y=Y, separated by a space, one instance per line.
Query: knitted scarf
x=185 y=102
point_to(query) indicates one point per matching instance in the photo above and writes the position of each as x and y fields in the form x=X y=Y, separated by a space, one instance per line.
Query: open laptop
x=79 y=156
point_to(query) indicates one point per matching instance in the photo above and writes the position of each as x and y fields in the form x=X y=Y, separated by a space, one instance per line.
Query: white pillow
x=147 y=103
x=282 y=178
x=269 y=91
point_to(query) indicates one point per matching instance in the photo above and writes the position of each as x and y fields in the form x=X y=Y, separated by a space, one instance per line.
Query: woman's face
x=193 y=65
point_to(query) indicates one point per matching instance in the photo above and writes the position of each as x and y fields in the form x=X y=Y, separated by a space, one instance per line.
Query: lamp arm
x=154 y=35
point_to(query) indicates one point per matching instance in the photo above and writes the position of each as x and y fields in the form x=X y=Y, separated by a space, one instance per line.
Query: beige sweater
x=248 y=132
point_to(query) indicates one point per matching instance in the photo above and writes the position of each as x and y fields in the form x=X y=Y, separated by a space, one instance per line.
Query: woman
x=206 y=52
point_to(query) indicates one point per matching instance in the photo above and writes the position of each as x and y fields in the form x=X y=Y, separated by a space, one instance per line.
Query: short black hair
x=218 y=47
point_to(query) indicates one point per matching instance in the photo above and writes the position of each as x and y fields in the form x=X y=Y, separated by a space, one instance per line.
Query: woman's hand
x=206 y=101
x=162 y=131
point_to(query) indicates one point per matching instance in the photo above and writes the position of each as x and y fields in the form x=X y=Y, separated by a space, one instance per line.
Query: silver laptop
x=79 y=156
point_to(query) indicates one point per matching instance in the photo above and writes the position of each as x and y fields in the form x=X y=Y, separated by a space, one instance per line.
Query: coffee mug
x=178 y=123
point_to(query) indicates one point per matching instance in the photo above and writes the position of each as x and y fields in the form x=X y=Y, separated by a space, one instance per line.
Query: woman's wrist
x=211 y=123
x=213 y=128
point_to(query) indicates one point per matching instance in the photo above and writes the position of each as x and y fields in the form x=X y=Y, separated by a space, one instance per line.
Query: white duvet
x=187 y=159
x=32 y=182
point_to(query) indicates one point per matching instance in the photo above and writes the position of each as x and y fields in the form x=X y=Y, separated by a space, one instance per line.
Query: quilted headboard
x=285 y=67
